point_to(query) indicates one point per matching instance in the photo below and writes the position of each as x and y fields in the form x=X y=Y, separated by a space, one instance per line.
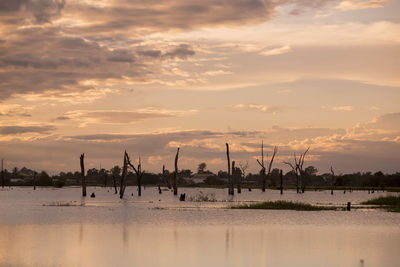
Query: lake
x=57 y=227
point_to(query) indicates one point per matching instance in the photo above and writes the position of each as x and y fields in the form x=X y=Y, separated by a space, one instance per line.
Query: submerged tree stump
x=281 y=175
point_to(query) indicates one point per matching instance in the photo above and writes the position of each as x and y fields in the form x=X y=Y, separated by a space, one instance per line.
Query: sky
x=103 y=76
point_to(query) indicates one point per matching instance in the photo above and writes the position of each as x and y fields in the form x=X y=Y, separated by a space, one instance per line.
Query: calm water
x=36 y=229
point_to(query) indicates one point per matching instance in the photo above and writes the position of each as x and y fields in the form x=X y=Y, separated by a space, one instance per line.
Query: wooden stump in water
x=182 y=197
x=281 y=175
x=93 y=195
x=348 y=206
x=159 y=189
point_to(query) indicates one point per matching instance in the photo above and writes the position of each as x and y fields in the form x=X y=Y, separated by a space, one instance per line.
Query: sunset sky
x=101 y=76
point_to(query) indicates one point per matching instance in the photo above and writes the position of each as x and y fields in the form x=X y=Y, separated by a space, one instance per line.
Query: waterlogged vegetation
x=390 y=203
x=201 y=197
x=282 y=205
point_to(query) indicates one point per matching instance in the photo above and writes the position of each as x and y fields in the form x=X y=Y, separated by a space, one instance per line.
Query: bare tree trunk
x=233 y=178
x=124 y=171
x=263 y=168
x=281 y=174
x=83 y=175
x=229 y=169
x=239 y=184
x=297 y=183
x=139 y=177
x=2 y=174
x=115 y=184
x=332 y=180
x=176 y=172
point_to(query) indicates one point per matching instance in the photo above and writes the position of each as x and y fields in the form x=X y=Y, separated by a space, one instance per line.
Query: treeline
x=202 y=177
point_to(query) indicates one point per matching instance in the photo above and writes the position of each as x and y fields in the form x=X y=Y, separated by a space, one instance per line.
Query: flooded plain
x=57 y=227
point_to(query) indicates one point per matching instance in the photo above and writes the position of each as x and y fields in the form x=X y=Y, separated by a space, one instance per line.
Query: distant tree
x=213 y=180
x=202 y=167
x=222 y=174
x=311 y=171
x=116 y=170
x=45 y=179
x=185 y=173
x=274 y=177
x=15 y=173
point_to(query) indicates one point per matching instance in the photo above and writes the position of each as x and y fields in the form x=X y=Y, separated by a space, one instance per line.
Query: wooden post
x=34 y=180
x=348 y=208
x=281 y=174
x=2 y=174
x=83 y=175
x=124 y=171
x=229 y=169
x=176 y=173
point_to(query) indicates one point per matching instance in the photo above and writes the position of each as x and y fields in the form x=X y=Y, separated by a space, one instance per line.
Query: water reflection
x=143 y=232
x=173 y=245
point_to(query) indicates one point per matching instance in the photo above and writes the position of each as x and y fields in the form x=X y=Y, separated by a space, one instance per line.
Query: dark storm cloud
x=41 y=11
x=108 y=42
x=40 y=59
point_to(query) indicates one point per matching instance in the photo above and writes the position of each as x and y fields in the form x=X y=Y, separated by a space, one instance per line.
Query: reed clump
x=282 y=205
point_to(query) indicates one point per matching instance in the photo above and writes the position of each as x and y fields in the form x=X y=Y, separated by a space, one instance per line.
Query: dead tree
x=176 y=173
x=301 y=170
x=138 y=172
x=2 y=174
x=243 y=168
x=263 y=169
x=230 y=182
x=124 y=172
x=281 y=176
x=83 y=175
x=298 y=169
x=166 y=179
x=332 y=180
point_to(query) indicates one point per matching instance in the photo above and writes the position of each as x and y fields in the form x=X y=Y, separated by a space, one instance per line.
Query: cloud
x=30 y=11
x=361 y=4
x=217 y=72
x=276 y=51
x=343 y=108
x=46 y=63
x=14 y=110
x=259 y=108
x=121 y=116
x=15 y=130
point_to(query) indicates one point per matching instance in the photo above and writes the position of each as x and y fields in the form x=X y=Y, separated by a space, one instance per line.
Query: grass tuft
x=201 y=197
x=282 y=205
x=390 y=203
